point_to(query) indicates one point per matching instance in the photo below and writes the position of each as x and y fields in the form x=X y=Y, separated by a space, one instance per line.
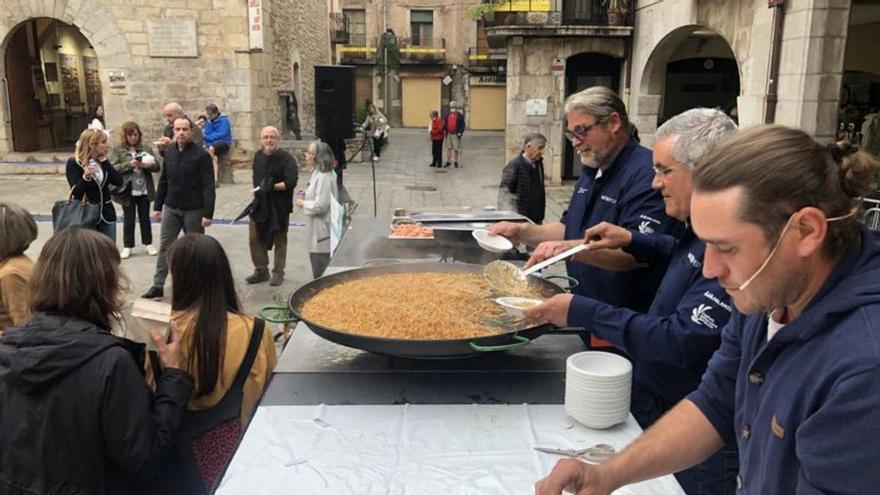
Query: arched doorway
x=693 y=66
x=582 y=71
x=53 y=84
x=858 y=117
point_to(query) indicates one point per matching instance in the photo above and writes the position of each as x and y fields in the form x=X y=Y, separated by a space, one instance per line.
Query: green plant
x=483 y=10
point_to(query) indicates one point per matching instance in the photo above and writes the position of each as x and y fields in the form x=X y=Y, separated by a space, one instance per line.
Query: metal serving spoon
x=504 y=276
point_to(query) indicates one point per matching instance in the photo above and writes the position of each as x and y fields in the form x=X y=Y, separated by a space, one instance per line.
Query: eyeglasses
x=580 y=132
x=662 y=172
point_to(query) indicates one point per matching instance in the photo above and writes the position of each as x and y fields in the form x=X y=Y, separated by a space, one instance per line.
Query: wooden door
x=22 y=104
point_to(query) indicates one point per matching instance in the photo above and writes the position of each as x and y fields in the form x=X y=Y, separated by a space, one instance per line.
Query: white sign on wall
x=255 y=24
x=536 y=106
x=117 y=82
x=172 y=38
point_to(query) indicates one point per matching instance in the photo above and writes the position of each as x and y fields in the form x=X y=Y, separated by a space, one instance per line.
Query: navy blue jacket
x=805 y=407
x=622 y=195
x=671 y=344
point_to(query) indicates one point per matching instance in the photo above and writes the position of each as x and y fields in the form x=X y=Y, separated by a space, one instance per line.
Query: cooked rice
x=416 y=306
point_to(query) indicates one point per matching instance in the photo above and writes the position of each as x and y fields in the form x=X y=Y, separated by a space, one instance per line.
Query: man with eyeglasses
x=671 y=344
x=795 y=380
x=615 y=186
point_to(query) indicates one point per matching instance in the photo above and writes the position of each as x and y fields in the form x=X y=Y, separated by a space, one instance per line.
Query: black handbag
x=69 y=213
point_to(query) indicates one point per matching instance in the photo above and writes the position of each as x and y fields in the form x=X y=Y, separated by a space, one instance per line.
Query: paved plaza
x=403 y=179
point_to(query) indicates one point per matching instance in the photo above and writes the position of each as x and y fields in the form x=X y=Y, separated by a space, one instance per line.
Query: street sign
x=558 y=67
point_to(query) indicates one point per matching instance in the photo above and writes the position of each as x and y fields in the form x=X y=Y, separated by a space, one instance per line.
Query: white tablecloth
x=412 y=449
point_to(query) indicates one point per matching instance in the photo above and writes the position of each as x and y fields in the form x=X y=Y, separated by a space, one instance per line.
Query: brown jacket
x=238 y=334
x=15 y=272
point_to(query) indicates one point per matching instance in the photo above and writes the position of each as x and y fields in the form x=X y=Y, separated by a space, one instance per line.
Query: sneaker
x=277 y=279
x=125 y=253
x=375 y=158
x=154 y=293
x=446 y=165
x=456 y=164
x=151 y=250
x=257 y=277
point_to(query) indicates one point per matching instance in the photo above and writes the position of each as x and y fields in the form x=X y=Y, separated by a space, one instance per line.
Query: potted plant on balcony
x=487 y=11
x=617 y=11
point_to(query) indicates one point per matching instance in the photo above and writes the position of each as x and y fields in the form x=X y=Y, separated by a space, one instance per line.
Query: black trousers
x=437 y=152
x=377 y=145
x=137 y=206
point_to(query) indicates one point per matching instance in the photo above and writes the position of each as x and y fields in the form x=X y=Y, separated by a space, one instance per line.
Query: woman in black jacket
x=90 y=174
x=77 y=416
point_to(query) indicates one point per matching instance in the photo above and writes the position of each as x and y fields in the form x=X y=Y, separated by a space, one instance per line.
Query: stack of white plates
x=597 y=388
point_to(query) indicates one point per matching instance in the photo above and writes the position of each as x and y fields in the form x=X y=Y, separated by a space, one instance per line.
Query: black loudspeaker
x=334 y=101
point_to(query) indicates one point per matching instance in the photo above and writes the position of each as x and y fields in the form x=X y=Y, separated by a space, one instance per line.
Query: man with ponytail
x=795 y=381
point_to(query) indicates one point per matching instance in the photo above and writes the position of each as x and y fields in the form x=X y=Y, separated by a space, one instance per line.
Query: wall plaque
x=117 y=82
x=172 y=38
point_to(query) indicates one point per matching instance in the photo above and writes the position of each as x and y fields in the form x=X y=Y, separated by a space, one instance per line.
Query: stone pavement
x=403 y=179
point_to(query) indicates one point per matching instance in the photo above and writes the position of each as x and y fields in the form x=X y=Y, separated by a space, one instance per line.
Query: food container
x=516 y=306
x=403 y=228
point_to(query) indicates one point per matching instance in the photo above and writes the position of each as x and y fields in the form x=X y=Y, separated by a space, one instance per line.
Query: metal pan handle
x=520 y=341
x=572 y=282
x=265 y=309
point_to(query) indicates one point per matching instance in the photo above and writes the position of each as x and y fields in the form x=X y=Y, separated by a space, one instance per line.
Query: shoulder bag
x=70 y=213
x=207 y=439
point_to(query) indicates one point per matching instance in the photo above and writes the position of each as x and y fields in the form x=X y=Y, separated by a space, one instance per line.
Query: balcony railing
x=359 y=49
x=486 y=58
x=340 y=33
x=423 y=50
x=539 y=14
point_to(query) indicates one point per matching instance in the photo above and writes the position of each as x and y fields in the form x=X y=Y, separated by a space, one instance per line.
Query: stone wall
x=811 y=62
x=243 y=83
x=529 y=76
x=301 y=36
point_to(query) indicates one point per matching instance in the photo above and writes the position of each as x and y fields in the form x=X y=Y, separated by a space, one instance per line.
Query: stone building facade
x=685 y=53
x=194 y=52
x=435 y=41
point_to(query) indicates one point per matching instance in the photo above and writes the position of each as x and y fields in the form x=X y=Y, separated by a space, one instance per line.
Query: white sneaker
x=151 y=250
x=125 y=254
x=376 y=158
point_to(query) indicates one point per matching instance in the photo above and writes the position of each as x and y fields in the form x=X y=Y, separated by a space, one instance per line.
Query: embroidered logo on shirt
x=700 y=316
x=582 y=190
x=708 y=295
x=694 y=261
x=646 y=228
x=650 y=219
x=608 y=199
x=777 y=428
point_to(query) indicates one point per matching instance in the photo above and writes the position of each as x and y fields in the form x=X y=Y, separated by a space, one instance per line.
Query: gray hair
x=534 y=137
x=698 y=130
x=17 y=230
x=323 y=156
x=600 y=102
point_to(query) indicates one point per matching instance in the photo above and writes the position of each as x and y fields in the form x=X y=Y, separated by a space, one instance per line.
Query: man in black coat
x=184 y=198
x=522 y=181
x=275 y=172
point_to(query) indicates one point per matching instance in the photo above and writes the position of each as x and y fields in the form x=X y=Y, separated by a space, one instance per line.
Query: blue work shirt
x=671 y=344
x=804 y=407
x=620 y=194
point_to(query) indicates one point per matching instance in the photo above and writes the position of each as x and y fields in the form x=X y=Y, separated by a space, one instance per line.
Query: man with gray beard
x=614 y=187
